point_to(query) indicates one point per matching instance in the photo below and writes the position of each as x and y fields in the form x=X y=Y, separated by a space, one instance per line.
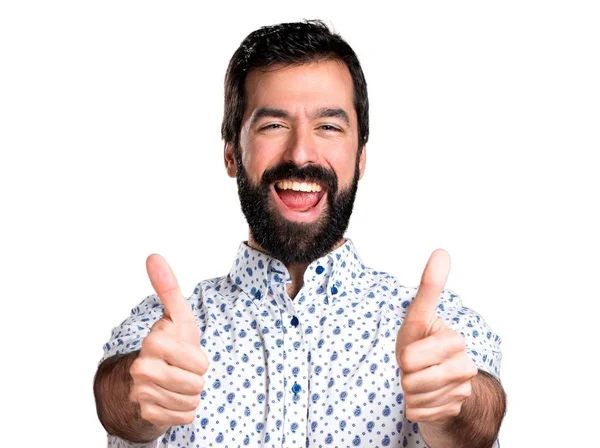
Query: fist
x=167 y=374
x=435 y=370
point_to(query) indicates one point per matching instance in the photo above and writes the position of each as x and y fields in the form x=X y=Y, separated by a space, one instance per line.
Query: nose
x=301 y=146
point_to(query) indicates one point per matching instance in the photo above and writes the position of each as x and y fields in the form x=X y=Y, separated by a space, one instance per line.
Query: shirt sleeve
x=128 y=336
x=483 y=345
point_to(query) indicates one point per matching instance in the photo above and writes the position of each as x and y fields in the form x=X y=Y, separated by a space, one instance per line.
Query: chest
x=309 y=373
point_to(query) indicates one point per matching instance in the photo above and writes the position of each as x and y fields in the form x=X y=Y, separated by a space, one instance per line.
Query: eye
x=271 y=126
x=328 y=127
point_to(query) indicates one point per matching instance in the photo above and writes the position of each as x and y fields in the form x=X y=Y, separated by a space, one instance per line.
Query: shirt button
x=296 y=388
x=294 y=321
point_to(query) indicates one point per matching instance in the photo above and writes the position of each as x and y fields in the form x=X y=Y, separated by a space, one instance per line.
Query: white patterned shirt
x=319 y=370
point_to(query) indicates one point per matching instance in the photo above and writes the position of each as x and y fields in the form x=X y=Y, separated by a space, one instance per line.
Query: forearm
x=477 y=424
x=120 y=416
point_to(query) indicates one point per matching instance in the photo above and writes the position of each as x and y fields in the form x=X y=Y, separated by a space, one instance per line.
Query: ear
x=229 y=158
x=362 y=162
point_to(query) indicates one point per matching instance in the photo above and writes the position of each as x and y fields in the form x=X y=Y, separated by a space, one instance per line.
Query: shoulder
x=387 y=282
x=215 y=291
x=400 y=295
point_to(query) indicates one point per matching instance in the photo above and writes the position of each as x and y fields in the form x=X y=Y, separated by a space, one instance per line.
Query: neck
x=296 y=270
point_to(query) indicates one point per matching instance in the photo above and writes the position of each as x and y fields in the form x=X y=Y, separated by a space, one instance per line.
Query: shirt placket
x=272 y=425
x=295 y=373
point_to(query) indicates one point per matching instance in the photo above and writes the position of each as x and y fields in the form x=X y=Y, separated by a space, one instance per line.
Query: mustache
x=309 y=173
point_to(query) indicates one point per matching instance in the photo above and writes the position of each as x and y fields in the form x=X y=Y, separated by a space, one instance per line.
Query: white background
x=484 y=140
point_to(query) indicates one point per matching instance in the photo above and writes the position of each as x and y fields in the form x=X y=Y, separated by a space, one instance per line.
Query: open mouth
x=298 y=200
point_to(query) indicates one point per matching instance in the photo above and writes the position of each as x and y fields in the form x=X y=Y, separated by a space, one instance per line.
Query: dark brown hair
x=289 y=43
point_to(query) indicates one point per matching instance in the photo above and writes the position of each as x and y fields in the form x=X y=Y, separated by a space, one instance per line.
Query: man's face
x=298 y=165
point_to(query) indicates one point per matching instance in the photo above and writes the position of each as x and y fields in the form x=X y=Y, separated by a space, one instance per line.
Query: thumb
x=421 y=313
x=165 y=284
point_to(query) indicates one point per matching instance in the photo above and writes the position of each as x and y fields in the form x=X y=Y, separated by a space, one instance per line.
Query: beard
x=290 y=241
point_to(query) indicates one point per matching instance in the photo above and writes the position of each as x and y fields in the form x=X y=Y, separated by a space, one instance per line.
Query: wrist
x=435 y=432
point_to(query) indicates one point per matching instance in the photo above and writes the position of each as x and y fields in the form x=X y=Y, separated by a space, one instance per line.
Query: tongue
x=299 y=200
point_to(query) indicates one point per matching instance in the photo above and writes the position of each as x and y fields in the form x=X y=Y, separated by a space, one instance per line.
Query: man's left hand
x=435 y=370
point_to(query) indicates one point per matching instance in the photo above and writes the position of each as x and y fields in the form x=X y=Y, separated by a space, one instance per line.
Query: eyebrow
x=323 y=112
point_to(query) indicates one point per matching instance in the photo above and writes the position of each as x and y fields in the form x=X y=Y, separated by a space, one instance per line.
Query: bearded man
x=301 y=344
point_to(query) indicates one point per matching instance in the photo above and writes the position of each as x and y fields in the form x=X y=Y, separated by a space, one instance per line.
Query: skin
x=167 y=374
x=301 y=138
x=437 y=371
x=437 y=374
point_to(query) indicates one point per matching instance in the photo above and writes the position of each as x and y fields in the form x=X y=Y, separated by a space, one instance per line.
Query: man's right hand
x=167 y=374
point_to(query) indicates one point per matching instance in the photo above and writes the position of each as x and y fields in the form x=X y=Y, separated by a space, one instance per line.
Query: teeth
x=298 y=186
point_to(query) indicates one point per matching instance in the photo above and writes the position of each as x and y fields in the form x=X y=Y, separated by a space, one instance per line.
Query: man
x=301 y=343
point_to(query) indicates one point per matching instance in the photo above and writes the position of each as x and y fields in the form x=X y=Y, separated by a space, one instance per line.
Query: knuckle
x=140 y=371
x=144 y=395
x=200 y=384
x=189 y=417
x=469 y=369
x=187 y=402
x=406 y=359
x=458 y=341
x=413 y=415
x=461 y=368
x=184 y=418
x=196 y=401
x=196 y=385
x=467 y=390
x=137 y=369
x=178 y=402
x=474 y=370
x=455 y=410
x=134 y=368
x=203 y=362
x=148 y=413
x=406 y=385
x=154 y=344
x=132 y=396
x=462 y=391
x=413 y=401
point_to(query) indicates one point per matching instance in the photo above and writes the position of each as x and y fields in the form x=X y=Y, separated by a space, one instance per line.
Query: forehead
x=307 y=86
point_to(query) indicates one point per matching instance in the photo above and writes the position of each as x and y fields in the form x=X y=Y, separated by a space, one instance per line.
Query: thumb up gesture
x=435 y=370
x=167 y=374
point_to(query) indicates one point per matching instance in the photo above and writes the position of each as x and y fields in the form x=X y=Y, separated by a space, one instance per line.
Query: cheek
x=344 y=166
x=256 y=159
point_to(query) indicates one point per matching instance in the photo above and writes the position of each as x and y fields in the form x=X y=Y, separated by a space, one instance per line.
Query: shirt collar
x=333 y=274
